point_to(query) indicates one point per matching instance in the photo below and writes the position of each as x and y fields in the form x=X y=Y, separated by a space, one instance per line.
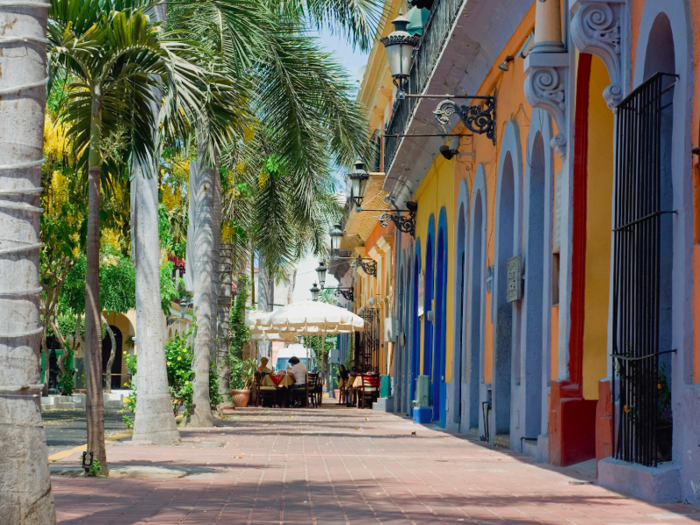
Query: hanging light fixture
x=399 y=47
x=315 y=290
x=336 y=234
x=321 y=271
x=356 y=177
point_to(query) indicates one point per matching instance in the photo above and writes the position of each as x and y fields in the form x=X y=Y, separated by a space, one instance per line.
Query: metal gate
x=636 y=271
x=368 y=355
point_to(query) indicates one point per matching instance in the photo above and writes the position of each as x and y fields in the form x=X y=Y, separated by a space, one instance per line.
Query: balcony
x=435 y=35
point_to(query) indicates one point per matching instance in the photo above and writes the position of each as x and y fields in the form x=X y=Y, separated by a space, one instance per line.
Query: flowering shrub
x=178 y=355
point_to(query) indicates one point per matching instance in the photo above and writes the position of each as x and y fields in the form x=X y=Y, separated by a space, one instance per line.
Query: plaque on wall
x=515 y=279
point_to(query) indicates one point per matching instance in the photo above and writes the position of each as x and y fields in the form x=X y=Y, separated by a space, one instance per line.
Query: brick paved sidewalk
x=338 y=466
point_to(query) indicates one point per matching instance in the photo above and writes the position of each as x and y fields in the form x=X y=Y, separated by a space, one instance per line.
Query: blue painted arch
x=440 y=323
x=415 y=321
x=428 y=327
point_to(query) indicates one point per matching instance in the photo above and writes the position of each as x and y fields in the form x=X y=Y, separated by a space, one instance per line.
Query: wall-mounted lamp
x=321 y=271
x=356 y=177
x=336 y=234
x=504 y=65
x=399 y=49
x=449 y=151
x=315 y=290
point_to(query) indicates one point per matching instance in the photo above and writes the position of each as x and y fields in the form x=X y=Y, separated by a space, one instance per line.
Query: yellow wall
x=437 y=190
x=598 y=221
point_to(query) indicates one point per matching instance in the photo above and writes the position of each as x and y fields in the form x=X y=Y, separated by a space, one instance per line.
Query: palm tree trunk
x=94 y=408
x=216 y=228
x=224 y=315
x=202 y=191
x=25 y=485
x=112 y=353
x=154 y=420
x=266 y=300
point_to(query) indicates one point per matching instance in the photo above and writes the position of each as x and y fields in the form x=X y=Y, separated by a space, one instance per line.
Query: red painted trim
x=578 y=253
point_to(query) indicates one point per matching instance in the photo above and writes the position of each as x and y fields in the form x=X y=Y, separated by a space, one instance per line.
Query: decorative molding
x=596 y=29
x=546 y=88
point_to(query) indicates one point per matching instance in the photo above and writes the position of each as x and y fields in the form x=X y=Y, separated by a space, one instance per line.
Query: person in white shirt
x=299 y=371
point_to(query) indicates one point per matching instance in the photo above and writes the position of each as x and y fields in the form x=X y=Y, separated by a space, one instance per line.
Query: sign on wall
x=515 y=279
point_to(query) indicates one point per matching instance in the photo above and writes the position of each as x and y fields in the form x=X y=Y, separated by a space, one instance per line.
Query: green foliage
x=215 y=398
x=66 y=383
x=169 y=288
x=242 y=372
x=96 y=469
x=130 y=401
x=320 y=347
x=240 y=334
x=178 y=355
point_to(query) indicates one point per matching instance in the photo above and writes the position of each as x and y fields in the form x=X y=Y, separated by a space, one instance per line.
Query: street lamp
x=399 y=49
x=356 y=177
x=336 y=234
x=315 y=290
x=321 y=272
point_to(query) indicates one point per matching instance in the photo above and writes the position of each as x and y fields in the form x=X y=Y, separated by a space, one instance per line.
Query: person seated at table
x=298 y=371
x=263 y=365
x=343 y=376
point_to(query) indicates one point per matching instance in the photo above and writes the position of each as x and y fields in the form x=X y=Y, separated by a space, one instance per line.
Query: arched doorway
x=439 y=387
x=477 y=265
x=459 y=351
x=535 y=307
x=503 y=340
x=429 y=315
x=415 y=339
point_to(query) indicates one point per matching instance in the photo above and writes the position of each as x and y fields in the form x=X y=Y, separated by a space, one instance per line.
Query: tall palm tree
x=118 y=60
x=299 y=94
x=25 y=485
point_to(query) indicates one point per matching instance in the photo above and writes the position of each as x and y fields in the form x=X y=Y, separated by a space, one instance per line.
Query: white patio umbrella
x=311 y=318
x=259 y=333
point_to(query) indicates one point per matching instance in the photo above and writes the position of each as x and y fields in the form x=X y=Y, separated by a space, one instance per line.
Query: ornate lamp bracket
x=347 y=293
x=595 y=29
x=479 y=118
x=546 y=88
x=369 y=267
x=406 y=224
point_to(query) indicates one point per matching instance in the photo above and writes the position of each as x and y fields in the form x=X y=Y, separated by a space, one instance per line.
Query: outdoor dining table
x=277 y=380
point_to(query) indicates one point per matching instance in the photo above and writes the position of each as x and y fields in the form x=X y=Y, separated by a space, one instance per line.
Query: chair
x=312 y=381
x=303 y=394
x=369 y=391
x=263 y=392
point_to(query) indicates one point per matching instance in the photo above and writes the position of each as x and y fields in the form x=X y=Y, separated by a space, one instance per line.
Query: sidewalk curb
x=58 y=456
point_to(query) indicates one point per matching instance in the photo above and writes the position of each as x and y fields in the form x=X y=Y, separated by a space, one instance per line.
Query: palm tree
x=118 y=61
x=299 y=93
x=25 y=486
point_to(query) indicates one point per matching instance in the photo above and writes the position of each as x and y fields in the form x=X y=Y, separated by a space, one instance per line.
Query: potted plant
x=242 y=373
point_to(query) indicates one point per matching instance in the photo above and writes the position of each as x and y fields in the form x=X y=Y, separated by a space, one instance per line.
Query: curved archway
x=477 y=303
x=459 y=349
x=428 y=320
x=440 y=323
x=415 y=336
x=506 y=368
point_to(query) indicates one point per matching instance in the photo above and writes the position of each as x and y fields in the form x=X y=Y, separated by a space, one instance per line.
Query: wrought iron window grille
x=639 y=422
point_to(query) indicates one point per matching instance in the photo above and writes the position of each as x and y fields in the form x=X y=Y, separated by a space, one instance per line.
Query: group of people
x=296 y=369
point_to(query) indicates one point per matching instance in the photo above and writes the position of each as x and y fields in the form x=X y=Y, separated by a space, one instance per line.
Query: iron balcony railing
x=425 y=57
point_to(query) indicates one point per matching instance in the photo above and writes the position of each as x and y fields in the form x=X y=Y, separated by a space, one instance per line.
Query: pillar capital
x=596 y=29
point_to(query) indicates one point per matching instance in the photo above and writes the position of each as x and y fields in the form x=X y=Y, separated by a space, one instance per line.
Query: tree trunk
x=45 y=350
x=154 y=420
x=61 y=344
x=94 y=407
x=25 y=485
x=266 y=301
x=224 y=315
x=112 y=353
x=203 y=192
x=216 y=229
x=252 y=279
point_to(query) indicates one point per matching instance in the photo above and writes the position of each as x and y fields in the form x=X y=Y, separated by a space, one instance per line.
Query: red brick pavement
x=344 y=466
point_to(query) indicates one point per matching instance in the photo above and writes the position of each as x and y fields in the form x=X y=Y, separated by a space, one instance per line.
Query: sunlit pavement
x=337 y=465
